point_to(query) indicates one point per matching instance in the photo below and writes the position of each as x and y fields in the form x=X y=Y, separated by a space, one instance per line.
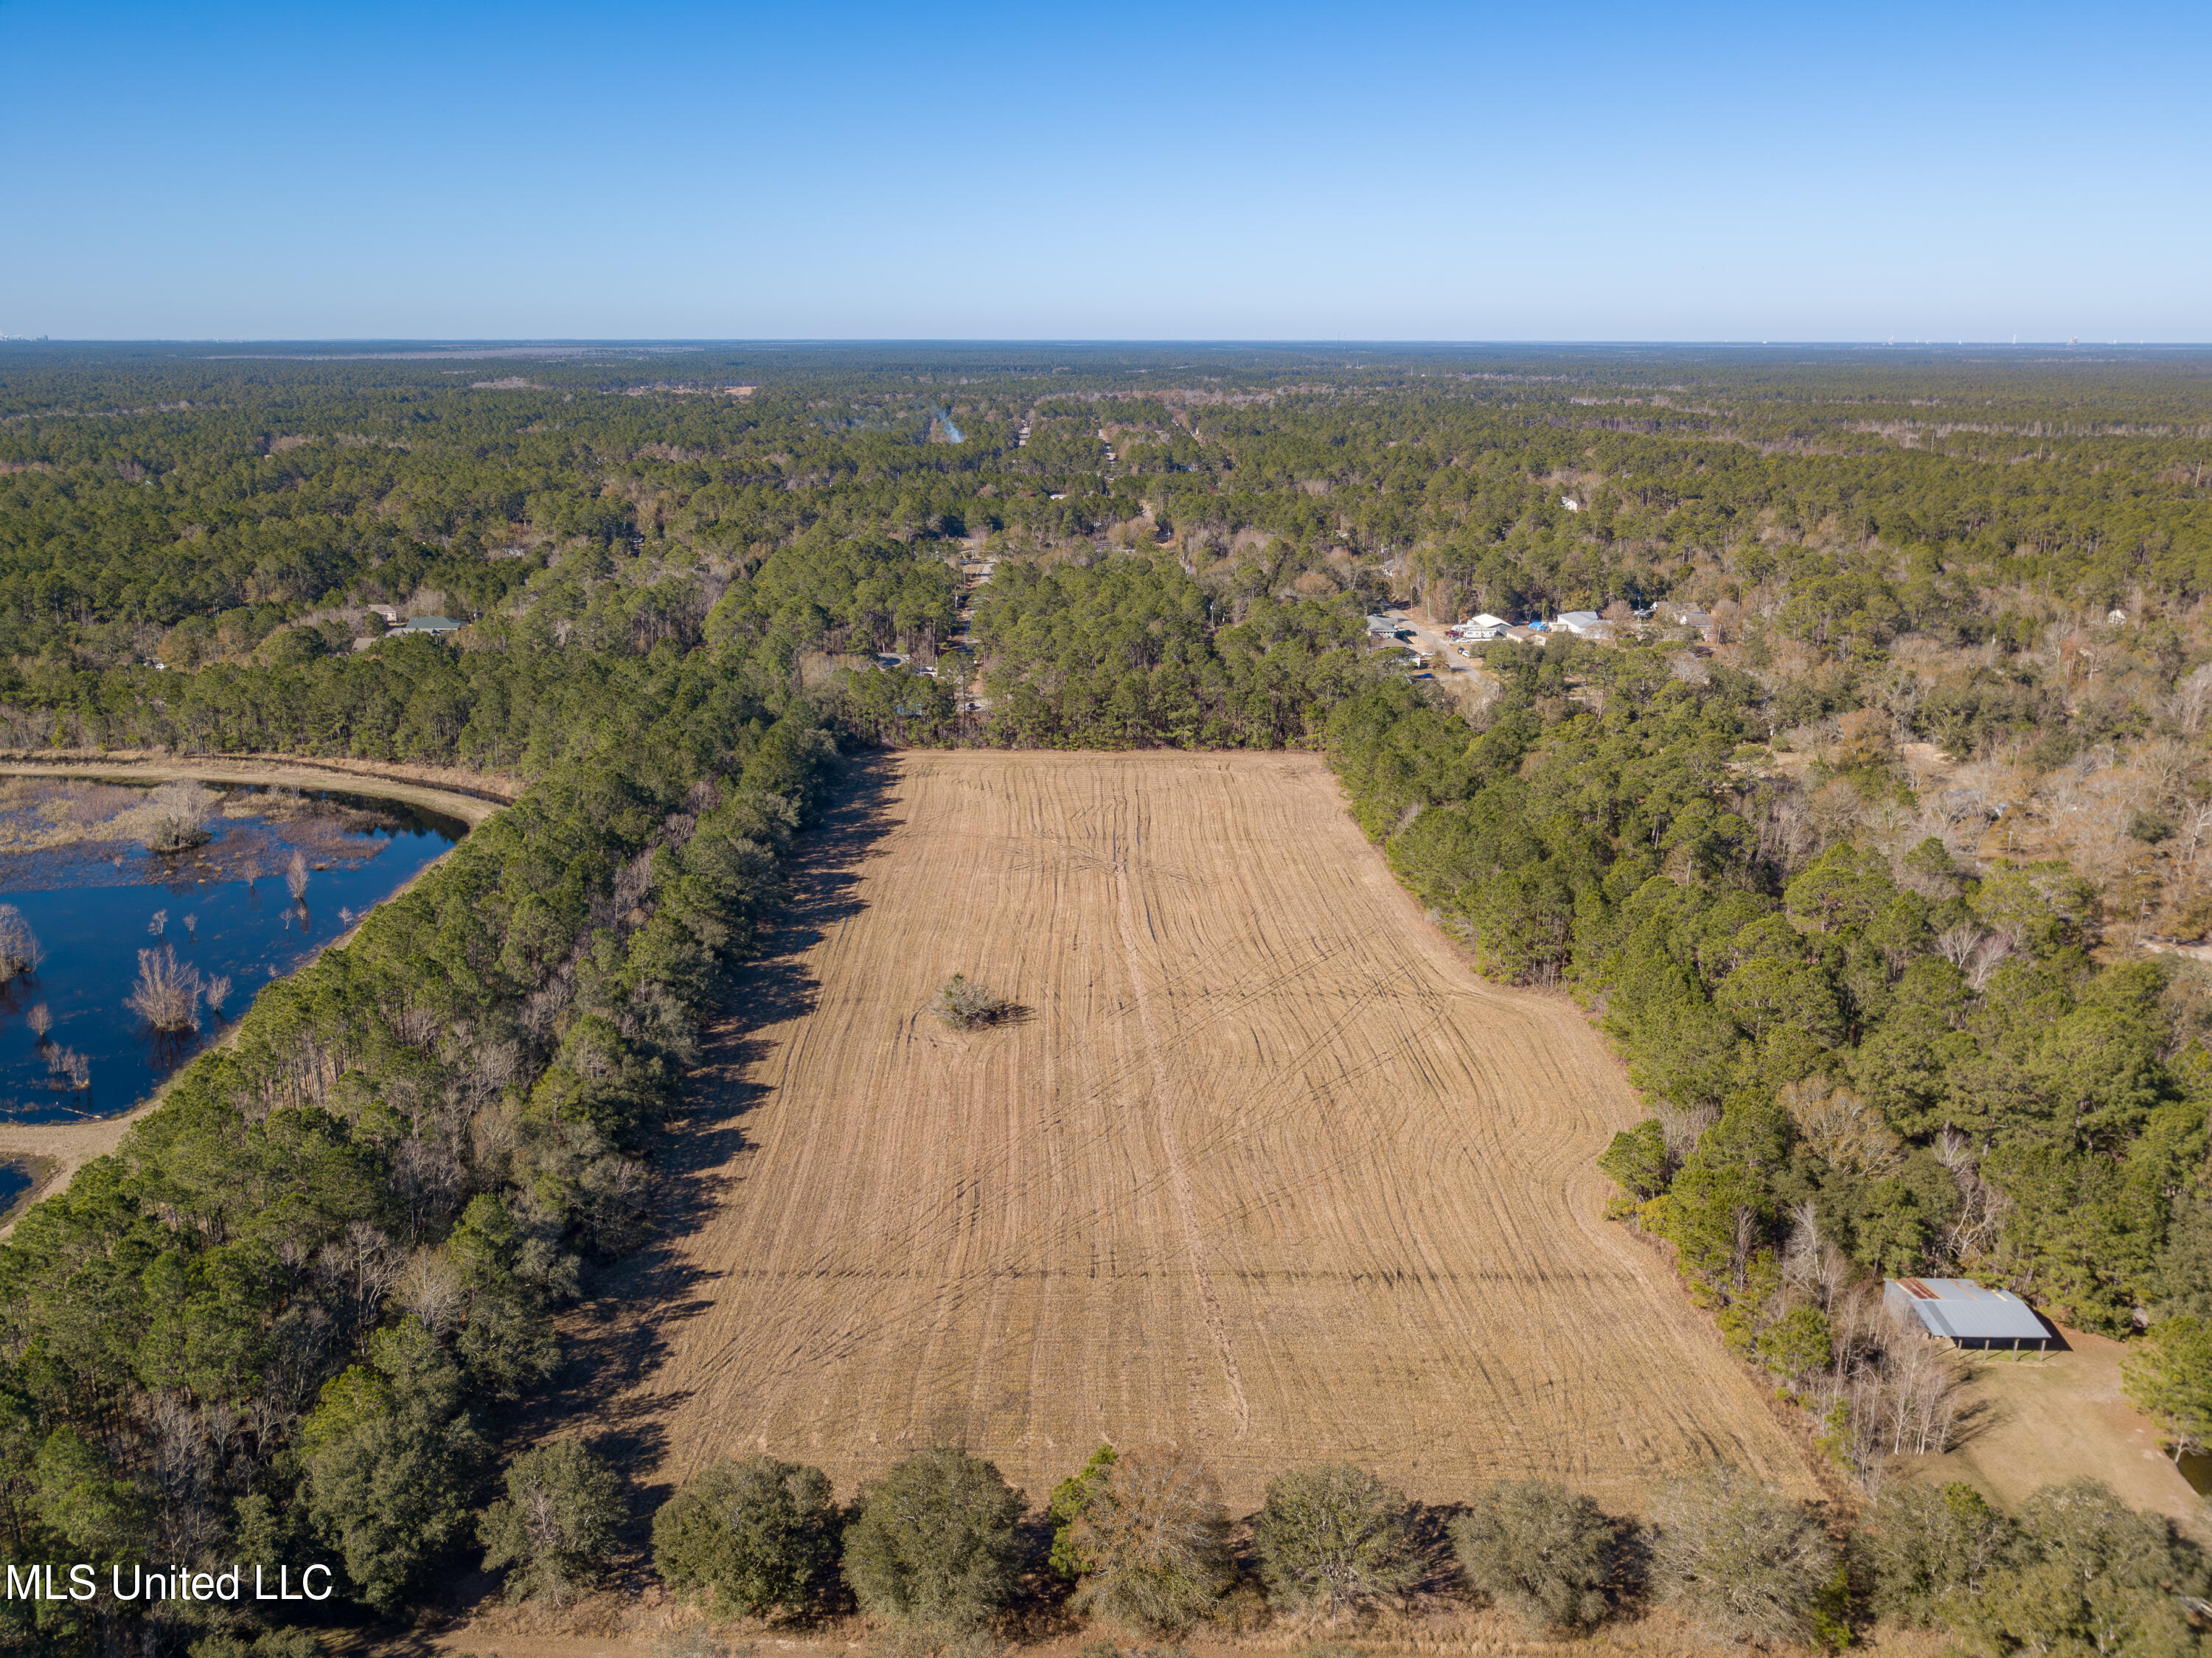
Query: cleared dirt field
x=1261 y=1167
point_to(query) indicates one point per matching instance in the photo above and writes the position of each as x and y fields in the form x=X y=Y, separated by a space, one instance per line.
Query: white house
x=1570 y=503
x=1485 y=626
x=1383 y=627
x=1582 y=622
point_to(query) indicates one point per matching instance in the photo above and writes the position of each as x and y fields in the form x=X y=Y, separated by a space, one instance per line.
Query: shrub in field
x=760 y=1536
x=1742 y=1559
x=964 y=1004
x=1923 y=1547
x=552 y=1529
x=1539 y=1551
x=1335 y=1539
x=1154 y=1540
x=934 y=1542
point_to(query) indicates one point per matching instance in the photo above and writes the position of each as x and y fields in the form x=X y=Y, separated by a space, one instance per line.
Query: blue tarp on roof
x=1962 y=1310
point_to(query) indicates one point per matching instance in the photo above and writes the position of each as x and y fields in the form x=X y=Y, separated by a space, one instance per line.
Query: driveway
x=1429 y=638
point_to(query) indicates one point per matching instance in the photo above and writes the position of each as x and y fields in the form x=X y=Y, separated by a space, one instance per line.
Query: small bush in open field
x=934 y=1542
x=963 y=1004
x=1334 y=1539
x=1539 y=1551
x=1154 y=1540
x=760 y=1536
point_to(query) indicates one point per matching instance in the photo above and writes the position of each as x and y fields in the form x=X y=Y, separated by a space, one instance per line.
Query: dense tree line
x=1142 y=1538
x=1900 y=1065
x=287 y=1314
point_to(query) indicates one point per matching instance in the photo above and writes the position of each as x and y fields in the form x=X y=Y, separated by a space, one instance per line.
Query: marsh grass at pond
x=149 y=956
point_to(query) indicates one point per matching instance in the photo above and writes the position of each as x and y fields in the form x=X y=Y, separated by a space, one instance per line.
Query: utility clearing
x=1258 y=1164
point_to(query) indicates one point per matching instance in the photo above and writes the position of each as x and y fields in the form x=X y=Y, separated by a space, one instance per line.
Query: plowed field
x=1261 y=1166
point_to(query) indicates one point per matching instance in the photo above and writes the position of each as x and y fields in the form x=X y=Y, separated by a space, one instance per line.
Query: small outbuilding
x=1964 y=1313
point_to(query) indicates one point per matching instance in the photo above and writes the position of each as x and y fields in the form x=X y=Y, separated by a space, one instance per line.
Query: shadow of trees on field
x=619 y=1335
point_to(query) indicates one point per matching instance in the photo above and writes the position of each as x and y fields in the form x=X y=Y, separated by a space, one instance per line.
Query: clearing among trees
x=1263 y=1168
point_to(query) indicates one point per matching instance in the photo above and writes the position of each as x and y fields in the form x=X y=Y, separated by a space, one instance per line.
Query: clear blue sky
x=1105 y=171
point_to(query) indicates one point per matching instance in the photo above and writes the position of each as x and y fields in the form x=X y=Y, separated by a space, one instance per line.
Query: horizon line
x=666 y=341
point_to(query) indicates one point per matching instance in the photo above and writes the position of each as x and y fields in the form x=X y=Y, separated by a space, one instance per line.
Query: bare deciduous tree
x=1740 y=1558
x=168 y=992
x=174 y=817
x=1157 y=1539
x=429 y=1287
x=20 y=950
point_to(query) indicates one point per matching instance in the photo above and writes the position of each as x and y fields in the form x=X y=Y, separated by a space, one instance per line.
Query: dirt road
x=470 y=797
x=1260 y=1165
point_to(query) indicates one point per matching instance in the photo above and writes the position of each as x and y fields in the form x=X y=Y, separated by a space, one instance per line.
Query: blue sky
x=1105 y=171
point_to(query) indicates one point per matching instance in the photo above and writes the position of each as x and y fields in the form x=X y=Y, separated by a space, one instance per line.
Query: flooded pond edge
x=55 y=1151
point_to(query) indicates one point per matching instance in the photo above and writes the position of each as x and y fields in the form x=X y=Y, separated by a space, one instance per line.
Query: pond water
x=221 y=910
x=15 y=1181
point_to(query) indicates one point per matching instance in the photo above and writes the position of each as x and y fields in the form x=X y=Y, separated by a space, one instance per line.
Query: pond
x=205 y=927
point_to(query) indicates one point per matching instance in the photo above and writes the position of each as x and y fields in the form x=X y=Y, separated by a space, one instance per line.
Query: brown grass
x=1262 y=1168
x=2057 y=1417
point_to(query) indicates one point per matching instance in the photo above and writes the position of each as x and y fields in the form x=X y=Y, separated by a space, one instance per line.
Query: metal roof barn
x=1964 y=1312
